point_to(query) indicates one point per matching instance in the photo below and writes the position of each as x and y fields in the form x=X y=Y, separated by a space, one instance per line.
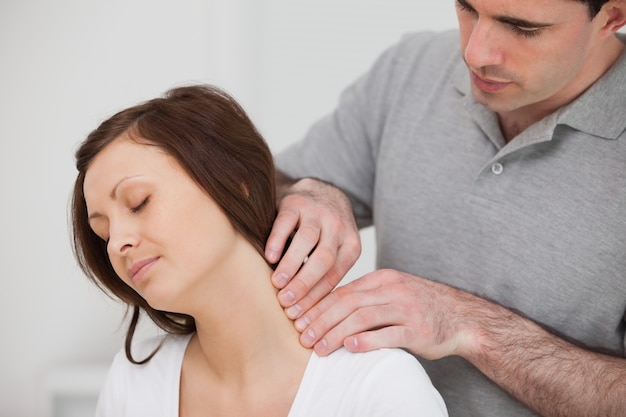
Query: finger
x=322 y=288
x=308 y=274
x=339 y=297
x=330 y=260
x=284 y=225
x=311 y=281
x=332 y=315
x=303 y=241
x=386 y=337
x=363 y=319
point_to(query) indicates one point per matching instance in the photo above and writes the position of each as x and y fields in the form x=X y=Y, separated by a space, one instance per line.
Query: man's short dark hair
x=594 y=6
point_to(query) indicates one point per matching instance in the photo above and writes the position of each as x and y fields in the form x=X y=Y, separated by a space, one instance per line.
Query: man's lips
x=488 y=85
x=139 y=268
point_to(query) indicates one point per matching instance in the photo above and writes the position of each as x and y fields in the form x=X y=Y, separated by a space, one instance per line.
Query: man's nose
x=484 y=46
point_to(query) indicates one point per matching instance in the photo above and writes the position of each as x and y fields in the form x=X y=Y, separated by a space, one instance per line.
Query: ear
x=615 y=14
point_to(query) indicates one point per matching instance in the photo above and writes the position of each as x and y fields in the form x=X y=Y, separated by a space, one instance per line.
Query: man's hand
x=325 y=242
x=387 y=308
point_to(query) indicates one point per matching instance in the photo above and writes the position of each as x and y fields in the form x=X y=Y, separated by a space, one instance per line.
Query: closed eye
x=141 y=205
x=523 y=27
x=527 y=32
x=520 y=27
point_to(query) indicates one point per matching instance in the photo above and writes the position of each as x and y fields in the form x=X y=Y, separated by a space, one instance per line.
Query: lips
x=140 y=268
x=488 y=85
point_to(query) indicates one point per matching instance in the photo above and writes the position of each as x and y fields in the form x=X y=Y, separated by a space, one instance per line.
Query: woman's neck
x=250 y=332
x=245 y=345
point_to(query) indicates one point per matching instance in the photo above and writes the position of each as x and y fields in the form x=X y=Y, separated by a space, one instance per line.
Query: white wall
x=65 y=65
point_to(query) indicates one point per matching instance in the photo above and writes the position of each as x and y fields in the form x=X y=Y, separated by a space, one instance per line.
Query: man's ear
x=615 y=12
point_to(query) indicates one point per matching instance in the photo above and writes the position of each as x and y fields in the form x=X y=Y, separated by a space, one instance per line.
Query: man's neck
x=514 y=122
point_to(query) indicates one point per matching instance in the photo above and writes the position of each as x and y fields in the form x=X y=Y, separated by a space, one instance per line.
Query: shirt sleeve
x=113 y=393
x=341 y=147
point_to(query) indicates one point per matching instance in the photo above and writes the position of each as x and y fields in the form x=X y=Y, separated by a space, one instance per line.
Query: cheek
x=119 y=267
x=558 y=66
x=568 y=51
x=198 y=229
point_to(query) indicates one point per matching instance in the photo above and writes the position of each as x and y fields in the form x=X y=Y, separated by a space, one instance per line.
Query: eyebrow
x=113 y=196
x=508 y=19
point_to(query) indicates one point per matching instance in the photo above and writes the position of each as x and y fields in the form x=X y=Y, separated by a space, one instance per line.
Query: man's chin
x=494 y=101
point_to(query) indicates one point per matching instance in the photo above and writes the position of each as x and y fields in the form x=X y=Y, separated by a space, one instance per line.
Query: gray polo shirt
x=538 y=224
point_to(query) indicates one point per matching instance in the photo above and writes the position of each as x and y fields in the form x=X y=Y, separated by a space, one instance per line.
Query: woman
x=172 y=206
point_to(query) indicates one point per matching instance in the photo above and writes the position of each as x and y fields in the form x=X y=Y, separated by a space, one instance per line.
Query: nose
x=122 y=237
x=483 y=46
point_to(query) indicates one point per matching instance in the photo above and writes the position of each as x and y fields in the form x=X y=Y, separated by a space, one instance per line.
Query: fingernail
x=293 y=311
x=321 y=347
x=352 y=342
x=281 y=279
x=286 y=298
x=308 y=337
x=272 y=255
x=302 y=323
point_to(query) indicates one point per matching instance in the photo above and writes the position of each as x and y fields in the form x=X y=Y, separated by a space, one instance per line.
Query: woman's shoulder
x=379 y=382
x=167 y=352
x=373 y=359
x=168 y=344
x=148 y=389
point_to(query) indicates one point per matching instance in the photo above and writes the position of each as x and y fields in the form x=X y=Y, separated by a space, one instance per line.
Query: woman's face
x=165 y=235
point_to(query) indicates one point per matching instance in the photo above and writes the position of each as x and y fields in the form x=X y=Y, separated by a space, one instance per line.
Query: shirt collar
x=599 y=111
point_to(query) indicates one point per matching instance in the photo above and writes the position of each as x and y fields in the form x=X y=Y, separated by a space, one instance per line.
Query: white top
x=386 y=382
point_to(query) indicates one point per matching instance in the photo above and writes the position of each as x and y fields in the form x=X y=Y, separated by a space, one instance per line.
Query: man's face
x=526 y=53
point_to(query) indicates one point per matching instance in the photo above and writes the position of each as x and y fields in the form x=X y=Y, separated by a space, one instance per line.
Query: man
x=495 y=175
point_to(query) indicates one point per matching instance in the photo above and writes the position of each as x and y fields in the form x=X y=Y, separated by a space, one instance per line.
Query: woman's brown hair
x=216 y=143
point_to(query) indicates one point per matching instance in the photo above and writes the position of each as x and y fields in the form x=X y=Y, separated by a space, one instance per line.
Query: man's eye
x=526 y=32
x=139 y=206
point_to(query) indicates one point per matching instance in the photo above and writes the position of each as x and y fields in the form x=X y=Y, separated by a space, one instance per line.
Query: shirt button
x=497 y=168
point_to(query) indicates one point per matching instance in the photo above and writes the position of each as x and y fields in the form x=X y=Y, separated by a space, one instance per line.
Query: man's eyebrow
x=523 y=23
x=465 y=4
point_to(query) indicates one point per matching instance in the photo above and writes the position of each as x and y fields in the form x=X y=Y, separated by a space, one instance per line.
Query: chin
x=163 y=302
x=497 y=102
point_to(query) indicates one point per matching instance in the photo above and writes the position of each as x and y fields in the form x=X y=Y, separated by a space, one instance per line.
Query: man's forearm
x=550 y=375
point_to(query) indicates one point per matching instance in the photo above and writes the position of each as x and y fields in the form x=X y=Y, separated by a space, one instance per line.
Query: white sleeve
x=147 y=390
x=113 y=393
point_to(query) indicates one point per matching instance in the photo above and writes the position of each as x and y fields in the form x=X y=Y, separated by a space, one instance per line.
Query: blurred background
x=66 y=65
